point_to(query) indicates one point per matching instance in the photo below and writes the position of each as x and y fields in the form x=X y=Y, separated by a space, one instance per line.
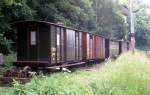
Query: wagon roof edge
x=46 y=22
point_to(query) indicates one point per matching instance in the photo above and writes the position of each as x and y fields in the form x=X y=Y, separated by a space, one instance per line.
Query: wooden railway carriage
x=51 y=46
x=44 y=44
x=113 y=48
x=124 y=46
x=93 y=47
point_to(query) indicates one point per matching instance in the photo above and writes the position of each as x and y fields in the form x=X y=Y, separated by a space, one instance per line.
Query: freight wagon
x=44 y=44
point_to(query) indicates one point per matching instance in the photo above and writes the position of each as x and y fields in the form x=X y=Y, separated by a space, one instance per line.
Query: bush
x=57 y=84
x=6 y=91
x=8 y=60
x=128 y=75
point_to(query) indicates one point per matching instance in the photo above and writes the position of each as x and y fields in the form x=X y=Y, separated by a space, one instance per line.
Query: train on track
x=44 y=45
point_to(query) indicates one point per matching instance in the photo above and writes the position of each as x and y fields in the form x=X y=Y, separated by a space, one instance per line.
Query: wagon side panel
x=44 y=42
x=22 y=43
x=84 y=46
x=70 y=36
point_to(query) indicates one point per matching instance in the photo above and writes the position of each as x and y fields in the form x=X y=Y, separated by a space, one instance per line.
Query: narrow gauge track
x=24 y=75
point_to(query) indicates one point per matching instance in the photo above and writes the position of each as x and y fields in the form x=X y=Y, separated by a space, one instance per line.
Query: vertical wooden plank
x=84 y=45
x=80 y=46
x=61 y=46
x=75 y=45
x=65 y=45
x=50 y=51
x=107 y=48
x=53 y=44
x=70 y=45
x=38 y=42
x=28 y=43
x=56 y=43
x=120 y=47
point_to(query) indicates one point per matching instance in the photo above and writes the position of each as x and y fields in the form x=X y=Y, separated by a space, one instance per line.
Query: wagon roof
x=18 y=22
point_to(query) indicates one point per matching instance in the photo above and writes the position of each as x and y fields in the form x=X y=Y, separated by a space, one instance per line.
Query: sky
x=146 y=2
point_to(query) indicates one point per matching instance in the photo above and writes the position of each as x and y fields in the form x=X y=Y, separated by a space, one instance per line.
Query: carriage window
x=58 y=39
x=33 y=38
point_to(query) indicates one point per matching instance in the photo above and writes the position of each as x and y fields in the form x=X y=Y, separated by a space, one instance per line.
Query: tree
x=142 y=23
x=110 y=20
x=10 y=11
x=4 y=26
x=75 y=13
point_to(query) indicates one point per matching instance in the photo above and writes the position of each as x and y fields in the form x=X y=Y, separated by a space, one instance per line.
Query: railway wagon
x=50 y=46
x=124 y=46
x=93 y=47
x=42 y=44
x=112 y=48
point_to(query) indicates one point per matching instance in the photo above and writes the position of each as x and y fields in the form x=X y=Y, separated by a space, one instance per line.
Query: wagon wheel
x=14 y=71
x=11 y=72
x=7 y=73
x=22 y=74
x=27 y=70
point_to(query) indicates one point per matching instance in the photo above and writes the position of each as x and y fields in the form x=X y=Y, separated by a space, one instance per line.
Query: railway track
x=24 y=75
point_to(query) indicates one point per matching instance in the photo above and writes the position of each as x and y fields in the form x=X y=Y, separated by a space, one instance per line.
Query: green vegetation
x=6 y=91
x=126 y=76
x=129 y=75
x=142 y=28
x=110 y=21
x=8 y=59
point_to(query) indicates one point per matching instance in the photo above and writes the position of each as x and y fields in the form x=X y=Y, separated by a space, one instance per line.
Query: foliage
x=76 y=13
x=7 y=62
x=58 y=84
x=143 y=29
x=6 y=91
x=142 y=23
x=110 y=21
x=8 y=9
x=125 y=76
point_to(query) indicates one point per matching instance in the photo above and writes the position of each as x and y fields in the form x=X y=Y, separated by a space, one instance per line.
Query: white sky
x=146 y=2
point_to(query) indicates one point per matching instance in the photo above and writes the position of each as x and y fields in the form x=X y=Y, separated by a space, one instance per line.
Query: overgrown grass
x=58 y=84
x=8 y=60
x=128 y=75
x=6 y=91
